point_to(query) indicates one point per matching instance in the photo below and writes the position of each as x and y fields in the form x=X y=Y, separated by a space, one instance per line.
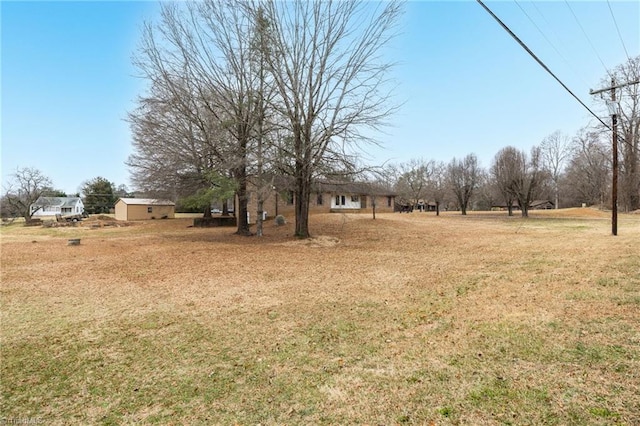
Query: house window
x=355 y=198
x=388 y=201
x=340 y=200
x=149 y=209
x=319 y=200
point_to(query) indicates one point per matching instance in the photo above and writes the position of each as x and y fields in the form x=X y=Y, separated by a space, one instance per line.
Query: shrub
x=280 y=220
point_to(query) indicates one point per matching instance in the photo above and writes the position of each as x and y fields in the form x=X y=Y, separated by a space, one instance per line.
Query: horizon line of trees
x=568 y=171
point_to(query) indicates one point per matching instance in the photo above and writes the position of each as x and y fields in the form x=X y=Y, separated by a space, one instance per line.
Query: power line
x=547 y=39
x=587 y=37
x=524 y=46
x=618 y=30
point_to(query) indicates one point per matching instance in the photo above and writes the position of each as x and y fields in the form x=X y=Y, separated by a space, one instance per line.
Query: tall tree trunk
x=437 y=208
x=259 y=220
x=260 y=190
x=302 y=209
x=241 y=210
x=463 y=203
x=373 y=206
x=523 y=202
x=302 y=195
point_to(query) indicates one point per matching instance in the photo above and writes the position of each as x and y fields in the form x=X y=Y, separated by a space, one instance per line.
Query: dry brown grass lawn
x=408 y=319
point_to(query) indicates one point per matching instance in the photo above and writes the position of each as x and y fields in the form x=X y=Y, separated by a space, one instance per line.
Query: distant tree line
x=568 y=171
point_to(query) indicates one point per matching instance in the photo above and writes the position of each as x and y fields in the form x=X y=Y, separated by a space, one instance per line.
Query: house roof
x=146 y=202
x=502 y=204
x=57 y=201
x=324 y=186
x=541 y=203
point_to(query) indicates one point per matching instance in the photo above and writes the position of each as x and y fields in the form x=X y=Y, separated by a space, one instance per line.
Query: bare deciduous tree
x=485 y=195
x=589 y=169
x=462 y=176
x=200 y=60
x=174 y=154
x=526 y=176
x=27 y=184
x=413 y=181
x=628 y=131
x=330 y=80
x=505 y=169
x=438 y=184
x=555 y=150
x=263 y=181
x=629 y=121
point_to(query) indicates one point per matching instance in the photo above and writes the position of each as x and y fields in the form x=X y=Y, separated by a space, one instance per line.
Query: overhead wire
x=618 y=30
x=549 y=41
x=542 y=64
x=587 y=37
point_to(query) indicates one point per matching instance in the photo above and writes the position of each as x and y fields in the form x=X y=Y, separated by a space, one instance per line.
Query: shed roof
x=146 y=202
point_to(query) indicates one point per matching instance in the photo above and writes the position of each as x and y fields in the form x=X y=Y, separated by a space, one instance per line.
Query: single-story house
x=503 y=206
x=542 y=205
x=326 y=197
x=144 y=208
x=356 y=197
x=51 y=206
x=420 y=205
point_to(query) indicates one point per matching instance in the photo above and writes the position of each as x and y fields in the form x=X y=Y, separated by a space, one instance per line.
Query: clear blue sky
x=466 y=86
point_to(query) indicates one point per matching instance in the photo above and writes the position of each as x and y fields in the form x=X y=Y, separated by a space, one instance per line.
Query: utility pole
x=614 y=178
x=612 y=105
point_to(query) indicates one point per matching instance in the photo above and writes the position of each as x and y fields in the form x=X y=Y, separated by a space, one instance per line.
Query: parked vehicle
x=71 y=217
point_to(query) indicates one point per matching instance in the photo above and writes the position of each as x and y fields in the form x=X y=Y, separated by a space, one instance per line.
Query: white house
x=51 y=206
